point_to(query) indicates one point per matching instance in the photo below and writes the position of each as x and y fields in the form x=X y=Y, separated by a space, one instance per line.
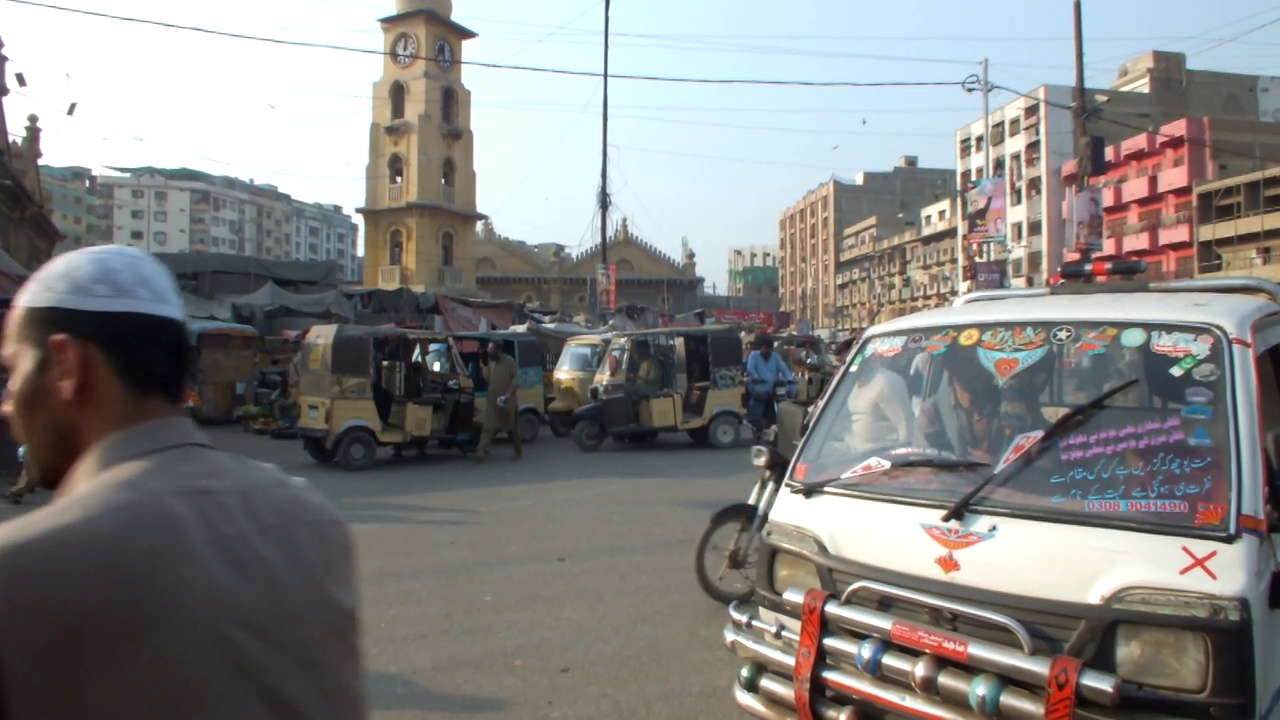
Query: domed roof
x=444 y=7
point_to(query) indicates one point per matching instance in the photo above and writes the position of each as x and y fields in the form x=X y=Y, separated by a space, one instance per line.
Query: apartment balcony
x=1143 y=144
x=395 y=193
x=1112 y=197
x=450 y=277
x=393 y=276
x=1176 y=235
x=1174 y=179
x=1137 y=189
x=1139 y=238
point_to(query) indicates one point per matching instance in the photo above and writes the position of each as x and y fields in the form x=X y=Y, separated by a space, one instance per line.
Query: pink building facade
x=1147 y=196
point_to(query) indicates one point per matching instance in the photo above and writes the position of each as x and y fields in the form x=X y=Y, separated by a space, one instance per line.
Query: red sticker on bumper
x=809 y=651
x=1060 y=700
x=930 y=641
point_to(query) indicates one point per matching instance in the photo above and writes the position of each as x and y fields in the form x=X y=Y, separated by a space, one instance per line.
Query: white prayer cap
x=105 y=278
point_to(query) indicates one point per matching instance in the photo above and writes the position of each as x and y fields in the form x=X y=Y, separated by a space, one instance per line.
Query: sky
x=714 y=163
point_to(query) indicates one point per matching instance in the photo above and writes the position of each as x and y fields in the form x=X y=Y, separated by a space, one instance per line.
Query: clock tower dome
x=420 y=186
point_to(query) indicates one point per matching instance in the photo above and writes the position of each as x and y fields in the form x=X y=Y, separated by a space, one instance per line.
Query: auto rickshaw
x=700 y=391
x=361 y=388
x=574 y=374
x=807 y=358
x=524 y=348
x=223 y=368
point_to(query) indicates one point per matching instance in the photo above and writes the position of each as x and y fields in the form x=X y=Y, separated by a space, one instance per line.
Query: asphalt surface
x=560 y=586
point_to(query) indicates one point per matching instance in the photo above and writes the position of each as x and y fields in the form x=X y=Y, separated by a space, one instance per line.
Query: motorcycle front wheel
x=723 y=574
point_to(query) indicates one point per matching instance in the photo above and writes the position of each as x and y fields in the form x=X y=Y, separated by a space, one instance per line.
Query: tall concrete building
x=884 y=274
x=810 y=231
x=1032 y=137
x=325 y=232
x=420 y=194
x=753 y=275
x=1237 y=226
x=183 y=210
x=72 y=194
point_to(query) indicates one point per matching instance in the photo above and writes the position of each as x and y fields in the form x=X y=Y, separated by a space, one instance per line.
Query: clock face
x=404 y=49
x=444 y=54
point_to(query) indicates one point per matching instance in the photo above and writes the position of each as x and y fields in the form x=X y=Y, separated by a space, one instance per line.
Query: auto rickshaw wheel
x=723 y=432
x=588 y=435
x=357 y=451
x=528 y=424
x=561 y=425
x=318 y=451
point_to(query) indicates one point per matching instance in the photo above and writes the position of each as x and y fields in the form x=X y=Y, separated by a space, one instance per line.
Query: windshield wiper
x=808 y=488
x=1057 y=428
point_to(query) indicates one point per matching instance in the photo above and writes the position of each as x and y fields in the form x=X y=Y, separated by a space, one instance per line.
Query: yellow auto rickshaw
x=361 y=388
x=524 y=348
x=699 y=391
x=572 y=379
x=223 y=368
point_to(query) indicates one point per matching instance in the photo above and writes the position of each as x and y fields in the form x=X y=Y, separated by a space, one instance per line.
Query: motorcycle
x=745 y=521
x=766 y=416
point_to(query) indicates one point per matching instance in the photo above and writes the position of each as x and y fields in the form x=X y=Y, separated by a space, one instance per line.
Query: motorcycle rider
x=764 y=369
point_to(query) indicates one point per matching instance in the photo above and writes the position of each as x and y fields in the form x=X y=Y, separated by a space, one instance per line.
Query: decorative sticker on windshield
x=1196 y=395
x=938 y=344
x=1006 y=352
x=887 y=346
x=970 y=337
x=953 y=539
x=1206 y=372
x=872 y=465
x=1169 y=482
x=1096 y=342
x=1018 y=447
x=1181 y=345
x=1133 y=337
x=1062 y=334
x=1113 y=441
x=1210 y=514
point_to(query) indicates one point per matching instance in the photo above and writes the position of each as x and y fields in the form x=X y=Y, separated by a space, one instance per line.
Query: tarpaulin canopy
x=198 y=307
x=271 y=300
x=311 y=272
x=466 y=315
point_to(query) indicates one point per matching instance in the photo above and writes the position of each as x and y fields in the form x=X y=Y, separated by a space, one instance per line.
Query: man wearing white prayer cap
x=166 y=579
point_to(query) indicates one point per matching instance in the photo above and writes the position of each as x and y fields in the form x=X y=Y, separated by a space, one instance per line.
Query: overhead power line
x=498 y=66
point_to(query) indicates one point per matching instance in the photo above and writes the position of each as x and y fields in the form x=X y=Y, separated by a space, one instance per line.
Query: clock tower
x=420 y=193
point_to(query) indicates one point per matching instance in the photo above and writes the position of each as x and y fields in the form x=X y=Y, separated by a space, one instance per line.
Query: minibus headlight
x=790 y=571
x=1165 y=658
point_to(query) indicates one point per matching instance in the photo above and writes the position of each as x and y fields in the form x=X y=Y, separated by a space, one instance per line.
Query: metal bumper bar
x=890 y=677
x=1099 y=687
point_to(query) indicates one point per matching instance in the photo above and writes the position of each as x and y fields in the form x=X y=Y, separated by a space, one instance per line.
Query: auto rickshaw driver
x=645 y=381
x=438 y=359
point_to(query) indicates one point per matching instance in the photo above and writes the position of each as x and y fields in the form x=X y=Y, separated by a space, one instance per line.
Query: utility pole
x=987 y=247
x=1084 y=151
x=604 y=170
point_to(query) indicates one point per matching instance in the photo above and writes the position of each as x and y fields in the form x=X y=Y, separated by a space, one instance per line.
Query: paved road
x=558 y=587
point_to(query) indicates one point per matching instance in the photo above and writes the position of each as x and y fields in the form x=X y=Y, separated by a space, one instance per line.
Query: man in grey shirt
x=166 y=579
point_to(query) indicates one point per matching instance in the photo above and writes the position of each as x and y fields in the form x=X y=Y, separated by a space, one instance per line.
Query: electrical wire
x=521 y=68
x=547 y=36
x=82 y=119
x=1233 y=38
x=551 y=150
